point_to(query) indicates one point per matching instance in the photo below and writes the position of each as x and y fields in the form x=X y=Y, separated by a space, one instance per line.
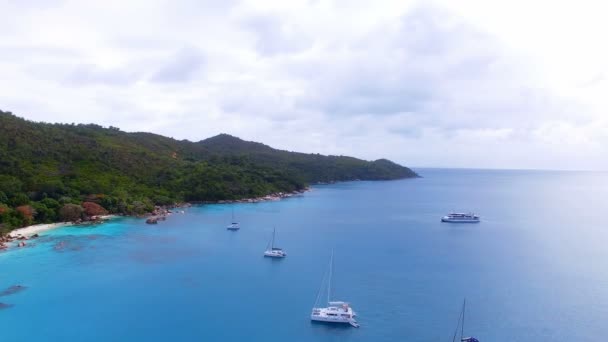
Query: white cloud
x=466 y=84
x=181 y=66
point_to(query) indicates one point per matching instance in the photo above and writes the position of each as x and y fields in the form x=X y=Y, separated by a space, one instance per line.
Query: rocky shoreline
x=161 y=213
x=19 y=237
x=277 y=196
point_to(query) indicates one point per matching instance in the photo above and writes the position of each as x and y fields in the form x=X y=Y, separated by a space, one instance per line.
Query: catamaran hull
x=331 y=320
x=328 y=319
x=458 y=221
x=275 y=255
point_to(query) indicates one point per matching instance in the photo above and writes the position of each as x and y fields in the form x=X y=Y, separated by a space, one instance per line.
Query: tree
x=5 y=215
x=43 y=213
x=27 y=212
x=138 y=208
x=162 y=200
x=71 y=212
x=20 y=199
x=10 y=185
x=51 y=203
x=52 y=188
x=65 y=200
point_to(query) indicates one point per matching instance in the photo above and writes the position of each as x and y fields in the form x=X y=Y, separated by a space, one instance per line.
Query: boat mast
x=272 y=243
x=460 y=324
x=331 y=263
x=320 y=290
x=464 y=303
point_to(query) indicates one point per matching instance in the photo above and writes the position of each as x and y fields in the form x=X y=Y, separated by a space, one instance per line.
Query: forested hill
x=46 y=169
x=311 y=168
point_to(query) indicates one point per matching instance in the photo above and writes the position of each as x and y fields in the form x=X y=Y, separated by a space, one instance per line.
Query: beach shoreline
x=39 y=228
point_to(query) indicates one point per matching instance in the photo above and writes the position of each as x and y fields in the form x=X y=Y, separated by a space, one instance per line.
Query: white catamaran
x=234 y=225
x=336 y=311
x=272 y=251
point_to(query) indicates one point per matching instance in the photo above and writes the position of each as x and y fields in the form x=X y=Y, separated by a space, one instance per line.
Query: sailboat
x=336 y=311
x=461 y=326
x=234 y=225
x=272 y=251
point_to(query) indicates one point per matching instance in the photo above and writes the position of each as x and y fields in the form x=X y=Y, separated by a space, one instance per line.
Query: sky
x=477 y=84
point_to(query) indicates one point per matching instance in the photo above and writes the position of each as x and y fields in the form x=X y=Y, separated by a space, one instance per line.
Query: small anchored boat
x=234 y=225
x=336 y=311
x=461 y=218
x=272 y=251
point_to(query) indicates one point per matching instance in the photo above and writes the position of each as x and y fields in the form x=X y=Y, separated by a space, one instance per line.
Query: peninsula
x=66 y=172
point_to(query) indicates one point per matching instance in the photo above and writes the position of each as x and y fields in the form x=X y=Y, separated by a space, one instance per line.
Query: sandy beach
x=39 y=228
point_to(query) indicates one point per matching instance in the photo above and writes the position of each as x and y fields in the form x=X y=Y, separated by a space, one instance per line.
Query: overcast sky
x=506 y=84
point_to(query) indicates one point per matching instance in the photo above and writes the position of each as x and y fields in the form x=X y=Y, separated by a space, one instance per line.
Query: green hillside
x=46 y=167
x=311 y=168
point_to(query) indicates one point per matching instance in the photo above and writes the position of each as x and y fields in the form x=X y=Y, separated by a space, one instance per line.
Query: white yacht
x=335 y=311
x=234 y=225
x=272 y=251
x=461 y=218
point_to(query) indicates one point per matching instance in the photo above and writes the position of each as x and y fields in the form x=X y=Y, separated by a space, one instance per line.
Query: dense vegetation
x=311 y=168
x=56 y=172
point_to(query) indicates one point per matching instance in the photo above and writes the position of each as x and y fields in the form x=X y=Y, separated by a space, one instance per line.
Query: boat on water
x=460 y=326
x=272 y=251
x=234 y=225
x=338 y=312
x=461 y=218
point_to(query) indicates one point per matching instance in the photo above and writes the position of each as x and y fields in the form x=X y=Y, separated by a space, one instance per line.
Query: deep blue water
x=533 y=270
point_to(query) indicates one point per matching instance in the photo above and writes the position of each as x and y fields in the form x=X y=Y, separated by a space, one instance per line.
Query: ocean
x=534 y=269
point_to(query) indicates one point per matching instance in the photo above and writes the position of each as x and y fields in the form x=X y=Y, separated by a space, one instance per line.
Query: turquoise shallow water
x=533 y=270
